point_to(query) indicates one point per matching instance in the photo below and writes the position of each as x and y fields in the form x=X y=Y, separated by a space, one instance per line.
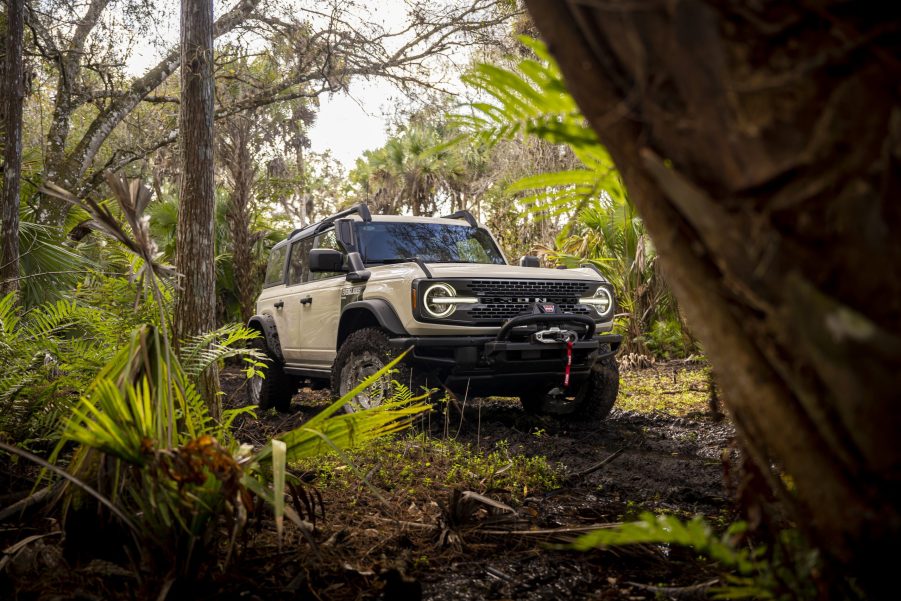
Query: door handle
x=279 y=304
x=307 y=300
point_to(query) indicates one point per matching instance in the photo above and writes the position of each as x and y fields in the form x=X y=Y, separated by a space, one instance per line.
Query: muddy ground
x=380 y=536
x=669 y=460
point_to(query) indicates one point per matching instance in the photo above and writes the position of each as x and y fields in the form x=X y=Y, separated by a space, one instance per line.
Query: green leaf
x=279 y=465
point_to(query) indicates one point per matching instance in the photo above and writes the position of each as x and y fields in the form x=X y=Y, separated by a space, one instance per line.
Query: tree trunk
x=761 y=144
x=239 y=164
x=69 y=62
x=13 y=86
x=195 y=305
x=69 y=169
x=301 y=181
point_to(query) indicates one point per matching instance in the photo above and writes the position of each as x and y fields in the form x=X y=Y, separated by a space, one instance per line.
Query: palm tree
x=417 y=170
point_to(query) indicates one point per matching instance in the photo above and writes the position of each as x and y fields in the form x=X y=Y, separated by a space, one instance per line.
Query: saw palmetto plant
x=142 y=443
x=146 y=441
x=611 y=236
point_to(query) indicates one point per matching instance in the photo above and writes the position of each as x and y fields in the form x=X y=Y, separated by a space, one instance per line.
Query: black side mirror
x=529 y=261
x=326 y=259
x=357 y=272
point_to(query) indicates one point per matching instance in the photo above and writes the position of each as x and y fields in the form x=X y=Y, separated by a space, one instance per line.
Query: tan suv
x=344 y=296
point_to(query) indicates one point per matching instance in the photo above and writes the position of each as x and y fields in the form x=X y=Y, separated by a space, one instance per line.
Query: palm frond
x=47 y=266
x=142 y=412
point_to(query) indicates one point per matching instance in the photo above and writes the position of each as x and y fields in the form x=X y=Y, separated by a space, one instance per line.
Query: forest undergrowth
x=468 y=504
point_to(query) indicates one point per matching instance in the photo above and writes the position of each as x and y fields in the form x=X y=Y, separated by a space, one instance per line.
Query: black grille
x=499 y=300
x=539 y=288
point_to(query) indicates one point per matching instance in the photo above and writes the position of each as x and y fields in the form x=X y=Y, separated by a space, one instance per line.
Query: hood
x=487 y=271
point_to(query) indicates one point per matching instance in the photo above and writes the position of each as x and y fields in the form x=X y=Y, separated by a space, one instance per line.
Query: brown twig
x=590 y=470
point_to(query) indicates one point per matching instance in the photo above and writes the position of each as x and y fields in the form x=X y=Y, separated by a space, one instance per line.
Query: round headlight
x=601 y=301
x=433 y=297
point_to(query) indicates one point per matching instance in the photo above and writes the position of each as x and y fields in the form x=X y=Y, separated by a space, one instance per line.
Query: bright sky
x=349 y=124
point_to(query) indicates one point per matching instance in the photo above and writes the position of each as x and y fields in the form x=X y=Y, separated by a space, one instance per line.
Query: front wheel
x=592 y=401
x=363 y=354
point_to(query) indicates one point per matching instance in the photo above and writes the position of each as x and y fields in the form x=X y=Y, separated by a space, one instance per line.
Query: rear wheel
x=591 y=401
x=363 y=354
x=276 y=388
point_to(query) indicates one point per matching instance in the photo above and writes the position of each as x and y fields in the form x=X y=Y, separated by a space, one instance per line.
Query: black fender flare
x=352 y=316
x=266 y=325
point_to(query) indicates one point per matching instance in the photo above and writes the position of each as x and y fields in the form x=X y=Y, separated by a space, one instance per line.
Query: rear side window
x=275 y=269
x=297 y=264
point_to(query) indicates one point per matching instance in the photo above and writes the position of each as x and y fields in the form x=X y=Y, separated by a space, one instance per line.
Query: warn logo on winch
x=547 y=307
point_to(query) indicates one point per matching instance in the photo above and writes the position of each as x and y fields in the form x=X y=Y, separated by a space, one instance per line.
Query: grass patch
x=417 y=466
x=679 y=392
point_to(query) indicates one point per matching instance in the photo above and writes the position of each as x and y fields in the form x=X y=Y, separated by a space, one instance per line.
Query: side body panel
x=319 y=317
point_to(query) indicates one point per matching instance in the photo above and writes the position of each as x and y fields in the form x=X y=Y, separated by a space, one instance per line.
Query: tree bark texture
x=195 y=305
x=761 y=144
x=13 y=87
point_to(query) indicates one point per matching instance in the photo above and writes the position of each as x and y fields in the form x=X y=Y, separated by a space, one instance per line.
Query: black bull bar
x=468 y=350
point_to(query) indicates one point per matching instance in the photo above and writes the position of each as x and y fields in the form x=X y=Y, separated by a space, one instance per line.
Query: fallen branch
x=694 y=591
x=32 y=499
x=592 y=469
x=553 y=531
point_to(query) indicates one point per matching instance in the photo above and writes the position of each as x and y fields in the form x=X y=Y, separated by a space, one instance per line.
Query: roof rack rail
x=360 y=209
x=464 y=214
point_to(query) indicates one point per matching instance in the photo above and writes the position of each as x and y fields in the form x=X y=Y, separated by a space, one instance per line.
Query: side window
x=327 y=239
x=297 y=264
x=275 y=269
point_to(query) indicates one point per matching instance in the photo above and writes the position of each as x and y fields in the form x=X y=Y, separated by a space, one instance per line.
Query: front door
x=321 y=309
x=292 y=312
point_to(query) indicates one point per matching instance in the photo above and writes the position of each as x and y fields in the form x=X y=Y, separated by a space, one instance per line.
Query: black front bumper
x=510 y=362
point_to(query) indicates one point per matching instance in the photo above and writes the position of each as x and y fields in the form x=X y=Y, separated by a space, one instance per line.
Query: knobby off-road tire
x=362 y=354
x=591 y=402
x=277 y=388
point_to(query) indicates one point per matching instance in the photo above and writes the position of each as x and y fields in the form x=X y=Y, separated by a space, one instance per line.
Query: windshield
x=430 y=242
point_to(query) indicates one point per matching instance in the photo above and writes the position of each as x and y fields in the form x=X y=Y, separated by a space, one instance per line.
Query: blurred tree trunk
x=13 y=87
x=236 y=146
x=195 y=305
x=299 y=118
x=761 y=143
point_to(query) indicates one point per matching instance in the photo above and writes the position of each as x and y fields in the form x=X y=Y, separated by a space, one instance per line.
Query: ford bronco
x=344 y=296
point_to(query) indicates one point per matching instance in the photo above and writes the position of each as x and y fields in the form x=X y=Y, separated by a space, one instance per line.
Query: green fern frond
x=198 y=353
x=667 y=529
x=533 y=100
